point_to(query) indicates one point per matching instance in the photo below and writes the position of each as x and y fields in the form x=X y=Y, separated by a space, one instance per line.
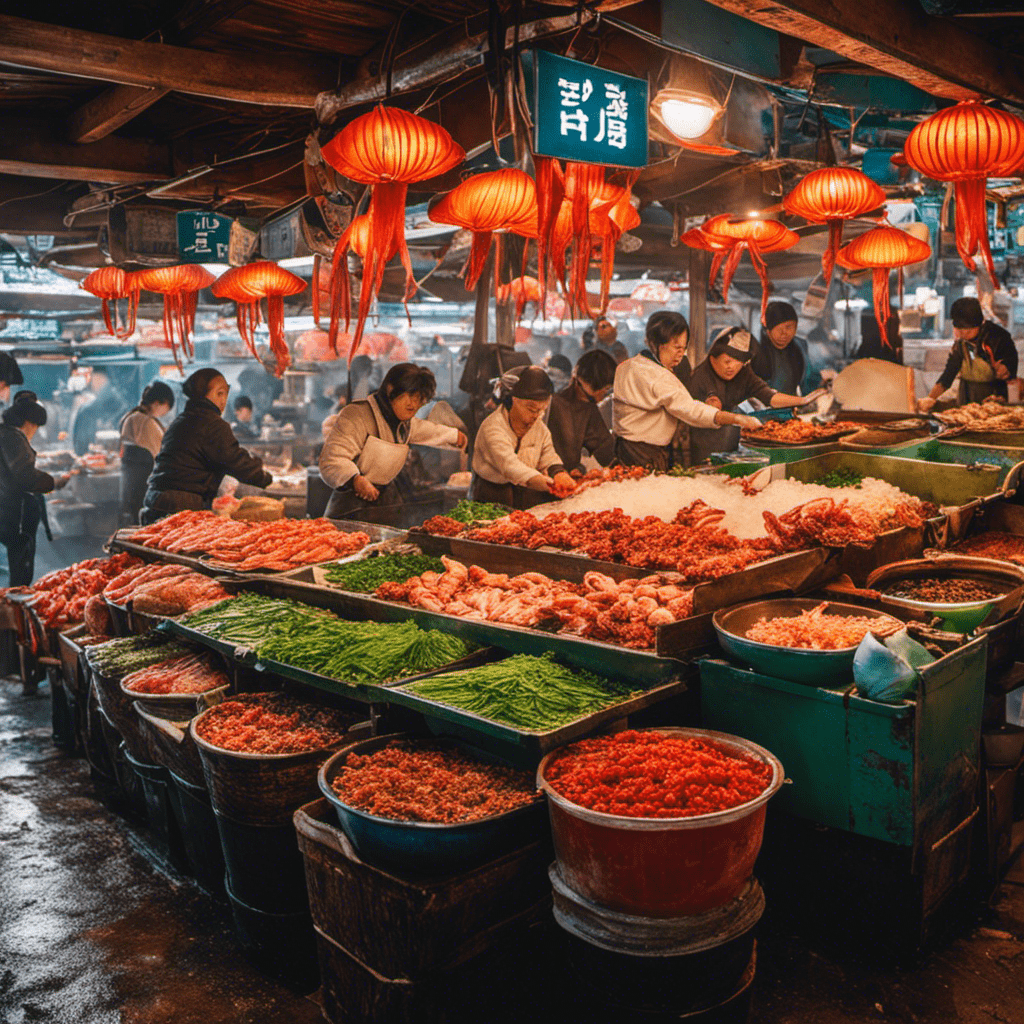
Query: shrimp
x=599 y=582
x=660 y=617
x=647 y=591
x=457 y=569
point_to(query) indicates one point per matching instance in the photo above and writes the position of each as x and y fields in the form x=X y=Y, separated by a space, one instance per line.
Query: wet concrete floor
x=92 y=932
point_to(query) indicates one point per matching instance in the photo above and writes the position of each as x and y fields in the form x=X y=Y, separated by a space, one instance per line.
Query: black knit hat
x=966 y=313
x=198 y=384
x=10 y=372
x=533 y=384
x=778 y=312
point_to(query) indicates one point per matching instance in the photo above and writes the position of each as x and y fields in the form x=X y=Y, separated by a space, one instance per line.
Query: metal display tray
x=644 y=667
x=448 y=720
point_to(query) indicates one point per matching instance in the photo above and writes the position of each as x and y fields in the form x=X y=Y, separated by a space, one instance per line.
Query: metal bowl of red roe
x=430 y=804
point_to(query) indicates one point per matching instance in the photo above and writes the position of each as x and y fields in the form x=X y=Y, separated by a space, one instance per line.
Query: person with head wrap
x=780 y=360
x=22 y=485
x=142 y=433
x=724 y=380
x=575 y=419
x=514 y=458
x=983 y=356
x=10 y=376
x=368 y=444
x=650 y=401
x=198 y=451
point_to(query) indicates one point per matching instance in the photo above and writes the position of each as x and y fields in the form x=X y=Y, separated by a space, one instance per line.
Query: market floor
x=92 y=933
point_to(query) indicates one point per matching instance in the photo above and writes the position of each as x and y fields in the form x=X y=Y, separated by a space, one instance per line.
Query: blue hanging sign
x=585 y=113
x=203 y=236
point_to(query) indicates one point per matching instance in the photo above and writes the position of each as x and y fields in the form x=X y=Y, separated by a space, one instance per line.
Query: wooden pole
x=700 y=267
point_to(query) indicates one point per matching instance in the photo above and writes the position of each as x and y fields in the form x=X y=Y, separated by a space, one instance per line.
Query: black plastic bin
x=198 y=826
x=156 y=789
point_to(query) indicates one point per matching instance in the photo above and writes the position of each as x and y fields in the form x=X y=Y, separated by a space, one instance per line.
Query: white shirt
x=144 y=430
x=650 y=401
x=360 y=420
x=500 y=457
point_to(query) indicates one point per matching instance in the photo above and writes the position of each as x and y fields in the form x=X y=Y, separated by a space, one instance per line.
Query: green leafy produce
x=251 y=619
x=529 y=693
x=842 y=477
x=470 y=511
x=366 y=575
x=118 y=658
x=318 y=641
x=370 y=652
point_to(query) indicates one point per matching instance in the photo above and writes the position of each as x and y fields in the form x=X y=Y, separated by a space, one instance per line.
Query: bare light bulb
x=687 y=115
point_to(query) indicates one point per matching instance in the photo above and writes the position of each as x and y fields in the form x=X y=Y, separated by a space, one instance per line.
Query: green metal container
x=955 y=452
x=781 y=453
x=902 y=773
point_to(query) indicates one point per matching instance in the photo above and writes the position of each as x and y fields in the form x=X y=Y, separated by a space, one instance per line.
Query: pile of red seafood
x=193 y=673
x=816 y=630
x=626 y=613
x=831 y=523
x=656 y=775
x=273 y=723
x=800 y=431
x=170 y=590
x=244 y=546
x=61 y=596
x=427 y=782
x=694 y=543
x=1006 y=547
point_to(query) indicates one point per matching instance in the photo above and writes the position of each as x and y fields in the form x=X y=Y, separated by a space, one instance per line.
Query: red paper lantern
x=523 y=290
x=880 y=250
x=247 y=286
x=180 y=286
x=830 y=196
x=754 y=235
x=387 y=148
x=111 y=284
x=495 y=201
x=966 y=144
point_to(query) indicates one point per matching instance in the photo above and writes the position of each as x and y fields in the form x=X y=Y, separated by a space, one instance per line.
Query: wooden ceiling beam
x=270 y=80
x=34 y=149
x=899 y=39
x=119 y=104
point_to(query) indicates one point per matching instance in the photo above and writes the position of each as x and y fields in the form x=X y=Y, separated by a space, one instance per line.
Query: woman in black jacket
x=198 y=451
x=21 y=485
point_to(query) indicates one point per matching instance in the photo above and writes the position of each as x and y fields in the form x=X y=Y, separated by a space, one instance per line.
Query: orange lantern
x=755 y=236
x=879 y=250
x=111 y=284
x=609 y=223
x=495 y=201
x=523 y=290
x=830 y=196
x=387 y=148
x=180 y=286
x=247 y=286
x=550 y=180
x=966 y=144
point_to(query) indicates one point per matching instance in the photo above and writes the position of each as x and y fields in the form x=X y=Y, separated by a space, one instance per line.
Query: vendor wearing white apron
x=650 y=401
x=514 y=458
x=369 y=442
x=983 y=356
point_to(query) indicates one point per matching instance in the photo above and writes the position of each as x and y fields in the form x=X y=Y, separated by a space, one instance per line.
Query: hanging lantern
x=387 y=149
x=830 y=196
x=489 y=203
x=698 y=238
x=111 y=284
x=966 y=144
x=247 y=286
x=880 y=250
x=522 y=290
x=550 y=179
x=755 y=236
x=180 y=286
x=608 y=224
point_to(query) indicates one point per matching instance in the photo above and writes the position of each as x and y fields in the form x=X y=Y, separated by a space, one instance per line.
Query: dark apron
x=136 y=465
x=18 y=535
x=160 y=504
x=344 y=501
x=509 y=495
x=979 y=390
x=639 y=453
x=705 y=442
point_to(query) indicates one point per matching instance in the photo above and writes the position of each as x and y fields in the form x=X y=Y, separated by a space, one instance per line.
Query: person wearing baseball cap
x=983 y=356
x=724 y=380
x=514 y=458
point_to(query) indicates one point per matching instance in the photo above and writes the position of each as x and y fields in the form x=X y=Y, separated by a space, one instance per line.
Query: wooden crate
x=409 y=928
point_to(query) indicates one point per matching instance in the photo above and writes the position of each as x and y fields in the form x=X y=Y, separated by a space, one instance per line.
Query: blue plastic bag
x=888 y=671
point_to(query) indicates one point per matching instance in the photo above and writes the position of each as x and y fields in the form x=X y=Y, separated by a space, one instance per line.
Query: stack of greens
x=318 y=641
x=533 y=694
x=841 y=477
x=118 y=658
x=366 y=575
x=471 y=511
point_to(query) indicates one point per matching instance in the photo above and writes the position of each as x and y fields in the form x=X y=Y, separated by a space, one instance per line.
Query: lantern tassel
x=731 y=263
x=316 y=289
x=275 y=321
x=717 y=258
x=477 y=258
x=550 y=193
x=880 y=295
x=762 y=272
x=972 y=226
x=105 y=306
x=835 y=241
x=340 y=288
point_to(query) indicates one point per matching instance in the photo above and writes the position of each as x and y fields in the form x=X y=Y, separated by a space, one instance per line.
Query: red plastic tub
x=661 y=867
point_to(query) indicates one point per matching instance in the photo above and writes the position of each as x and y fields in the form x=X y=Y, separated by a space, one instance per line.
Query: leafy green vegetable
x=841 y=477
x=118 y=658
x=366 y=575
x=534 y=694
x=469 y=511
